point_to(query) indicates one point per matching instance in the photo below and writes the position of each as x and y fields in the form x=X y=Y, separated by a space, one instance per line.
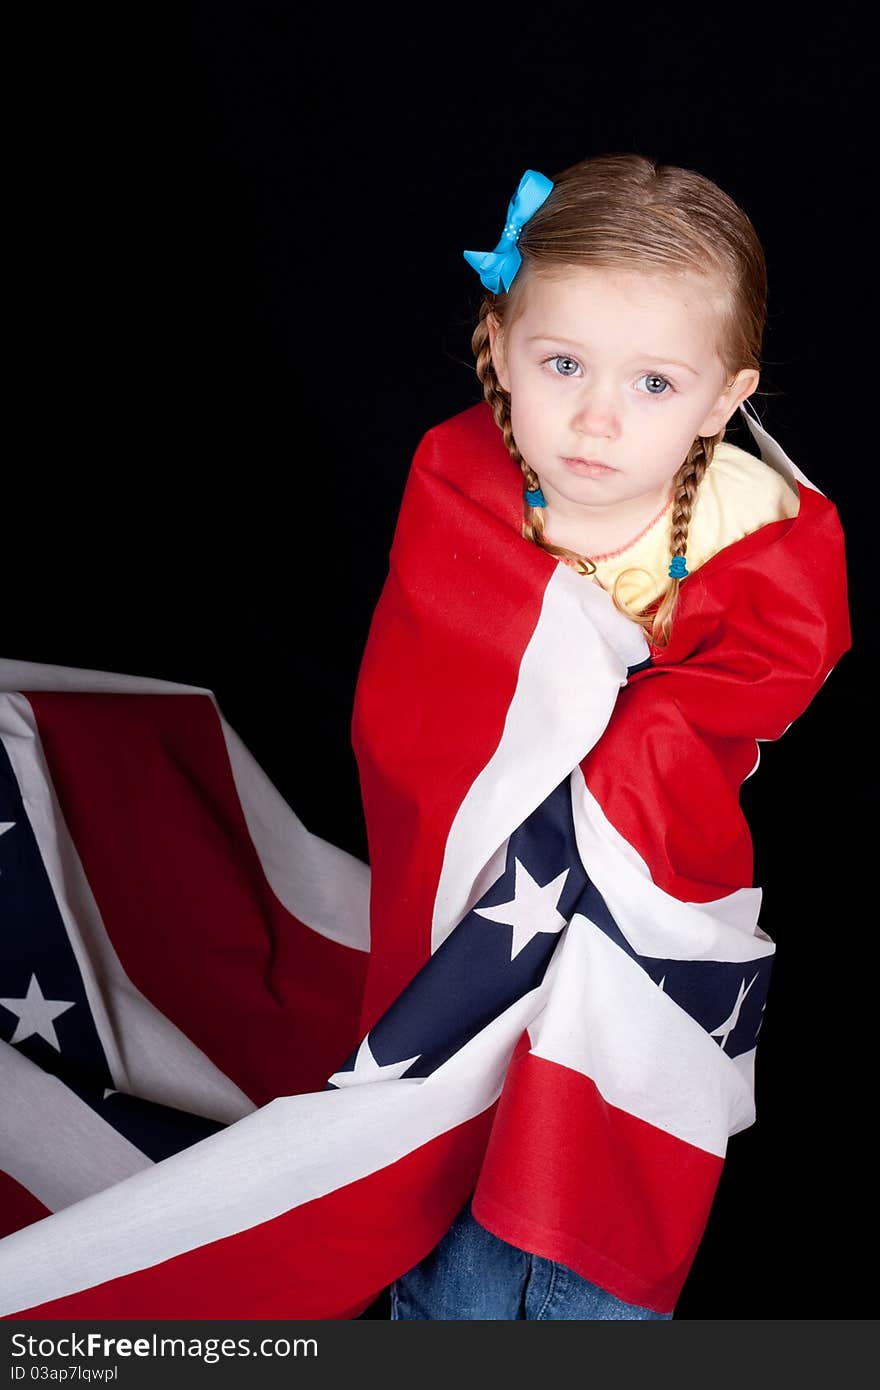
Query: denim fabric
x=471 y=1274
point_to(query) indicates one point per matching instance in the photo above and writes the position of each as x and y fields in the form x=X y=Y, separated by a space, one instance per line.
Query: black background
x=248 y=328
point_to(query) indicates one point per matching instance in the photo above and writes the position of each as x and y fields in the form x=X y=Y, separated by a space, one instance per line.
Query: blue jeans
x=472 y=1274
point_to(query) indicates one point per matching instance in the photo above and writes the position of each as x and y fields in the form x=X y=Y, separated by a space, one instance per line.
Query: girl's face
x=615 y=367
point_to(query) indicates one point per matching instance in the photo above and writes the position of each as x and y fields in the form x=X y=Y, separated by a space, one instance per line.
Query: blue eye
x=649 y=376
x=561 y=359
x=654 y=376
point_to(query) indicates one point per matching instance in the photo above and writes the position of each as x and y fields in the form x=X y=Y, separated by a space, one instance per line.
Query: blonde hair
x=627 y=212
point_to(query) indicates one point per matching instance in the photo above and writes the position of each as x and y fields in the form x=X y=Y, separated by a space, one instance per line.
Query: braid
x=499 y=400
x=687 y=480
x=658 y=624
x=493 y=391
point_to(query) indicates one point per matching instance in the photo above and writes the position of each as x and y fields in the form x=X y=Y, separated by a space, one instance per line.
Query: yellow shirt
x=738 y=494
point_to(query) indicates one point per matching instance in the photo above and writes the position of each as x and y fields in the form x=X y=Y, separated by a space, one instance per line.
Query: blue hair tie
x=678 y=569
x=500 y=266
x=535 y=497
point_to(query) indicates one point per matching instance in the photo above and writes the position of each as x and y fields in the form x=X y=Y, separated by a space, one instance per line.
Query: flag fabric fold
x=246 y=1075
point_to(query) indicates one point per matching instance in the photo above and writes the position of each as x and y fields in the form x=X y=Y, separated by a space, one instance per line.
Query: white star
x=662 y=983
x=724 y=1030
x=35 y=1014
x=532 y=908
x=366 y=1068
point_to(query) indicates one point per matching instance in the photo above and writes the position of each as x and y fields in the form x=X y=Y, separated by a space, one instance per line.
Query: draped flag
x=246 y=1075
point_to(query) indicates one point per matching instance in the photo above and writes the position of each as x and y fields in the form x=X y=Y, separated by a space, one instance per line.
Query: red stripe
x=458 y=625
x=328 y=1259
x=755 y=633
x=576 y=1180
x=147 y=792
x=18 y=1206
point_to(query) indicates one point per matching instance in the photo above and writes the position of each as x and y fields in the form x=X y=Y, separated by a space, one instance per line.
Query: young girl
x=496 y=1071
x=619 y=331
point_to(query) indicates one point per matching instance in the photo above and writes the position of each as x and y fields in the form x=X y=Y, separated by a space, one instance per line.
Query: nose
x=595 y=417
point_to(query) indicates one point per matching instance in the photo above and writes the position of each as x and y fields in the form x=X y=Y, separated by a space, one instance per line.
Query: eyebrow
x=639 y=357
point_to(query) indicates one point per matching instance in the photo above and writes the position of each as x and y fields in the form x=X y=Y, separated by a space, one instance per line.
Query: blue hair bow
x=500 y=266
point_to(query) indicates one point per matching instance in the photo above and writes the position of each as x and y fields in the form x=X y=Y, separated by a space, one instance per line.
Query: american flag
x=247 y=1075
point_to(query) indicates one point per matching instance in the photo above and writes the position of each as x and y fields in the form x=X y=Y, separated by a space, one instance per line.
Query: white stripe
x=324 y=887
x=54 y=1144
x=569 y=677
x=293 y=1150
x=146 y=1054
x=38 y=675
x=607 y=1019
x=653 y=921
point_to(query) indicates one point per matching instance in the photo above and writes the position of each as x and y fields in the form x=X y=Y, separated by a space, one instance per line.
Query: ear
x=743 y=384
x=496 y=346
